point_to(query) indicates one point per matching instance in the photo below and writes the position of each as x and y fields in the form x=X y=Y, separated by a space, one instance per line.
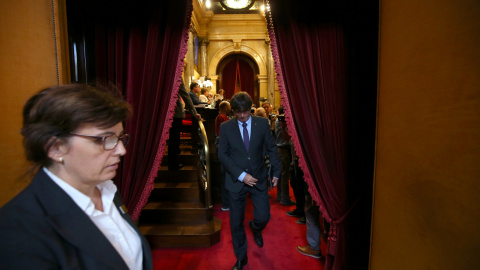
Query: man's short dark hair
x=192 y=85
x=241 y=102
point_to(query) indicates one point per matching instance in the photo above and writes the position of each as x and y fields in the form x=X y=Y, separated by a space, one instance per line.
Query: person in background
x=298 y=185
x=71 y=216
x=220 y=95
x=174 y=135
x=312 y=215
x=242 y=156
x=194 y=91
x=266 y=107
x=212 y=99
x=223 y=113
x=218 y=98
x=260 y=112
x=271 y=117
x=204 y=96
x=282 y=139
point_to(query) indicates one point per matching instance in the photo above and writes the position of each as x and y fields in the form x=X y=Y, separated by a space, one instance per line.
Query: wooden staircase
x=176 y=214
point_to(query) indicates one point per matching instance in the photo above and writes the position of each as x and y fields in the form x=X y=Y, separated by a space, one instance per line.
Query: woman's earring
x=60 y=159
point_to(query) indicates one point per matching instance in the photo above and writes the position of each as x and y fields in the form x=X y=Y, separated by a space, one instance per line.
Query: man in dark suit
x=179 y=115
x=194 y=90
x=244 y=142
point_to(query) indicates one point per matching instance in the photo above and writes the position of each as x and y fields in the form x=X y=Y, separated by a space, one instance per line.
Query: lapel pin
x=123 y=209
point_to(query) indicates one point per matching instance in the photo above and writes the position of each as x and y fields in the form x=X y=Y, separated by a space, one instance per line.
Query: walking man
x=244 y=141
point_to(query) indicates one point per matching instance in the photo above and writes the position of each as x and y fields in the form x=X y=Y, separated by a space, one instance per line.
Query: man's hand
x=274 y=181
x=249 y=180
x=198 y=117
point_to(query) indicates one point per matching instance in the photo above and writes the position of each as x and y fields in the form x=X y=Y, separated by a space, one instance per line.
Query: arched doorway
x=238 y=72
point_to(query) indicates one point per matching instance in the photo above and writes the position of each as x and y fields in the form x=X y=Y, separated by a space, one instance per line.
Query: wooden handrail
x=205 y=164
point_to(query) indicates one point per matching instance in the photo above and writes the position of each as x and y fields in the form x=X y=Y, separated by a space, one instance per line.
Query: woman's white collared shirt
x=116 y=229
x=203 y=98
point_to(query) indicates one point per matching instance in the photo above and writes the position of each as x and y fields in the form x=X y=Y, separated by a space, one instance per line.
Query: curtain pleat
x=310 y=61
x=229 y=76
x=246 y=73
x=228 y=79
x=144 y=45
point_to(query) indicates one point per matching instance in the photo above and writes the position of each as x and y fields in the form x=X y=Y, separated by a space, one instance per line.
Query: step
x=182 y=235
x=185 y=141
x=186 y=157
x=192 y=212
x=185 y=174
x=175 y=191
x=186 y=129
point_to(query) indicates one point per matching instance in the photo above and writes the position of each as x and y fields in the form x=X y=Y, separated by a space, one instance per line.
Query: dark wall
x=361 y=27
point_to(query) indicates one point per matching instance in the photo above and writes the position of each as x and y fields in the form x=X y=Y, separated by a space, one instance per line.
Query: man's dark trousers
x=261 y=216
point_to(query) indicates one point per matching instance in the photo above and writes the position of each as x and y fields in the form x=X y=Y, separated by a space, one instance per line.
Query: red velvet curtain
x=230 y=74
x=246 y=73
x=310 y=62
x=228 y=79
x=140 y=48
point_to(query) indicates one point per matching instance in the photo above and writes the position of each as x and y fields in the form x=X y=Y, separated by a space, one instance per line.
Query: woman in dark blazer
x=71 y=215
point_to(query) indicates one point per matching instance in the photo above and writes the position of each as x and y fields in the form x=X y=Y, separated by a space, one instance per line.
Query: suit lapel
x=254 y=130
x=73 y=224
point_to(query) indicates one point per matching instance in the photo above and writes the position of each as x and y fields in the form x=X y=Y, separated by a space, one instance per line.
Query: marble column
x=263 y=91
x=214 y=79
x=203 y=57
x=190 y=59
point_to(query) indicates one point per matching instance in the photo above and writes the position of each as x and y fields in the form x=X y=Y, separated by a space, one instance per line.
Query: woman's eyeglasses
x=109 y=141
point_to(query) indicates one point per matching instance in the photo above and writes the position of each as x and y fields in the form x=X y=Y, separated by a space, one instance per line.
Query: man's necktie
x=246 y=140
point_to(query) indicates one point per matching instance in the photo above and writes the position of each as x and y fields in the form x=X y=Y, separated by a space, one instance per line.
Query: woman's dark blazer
x=43 y=228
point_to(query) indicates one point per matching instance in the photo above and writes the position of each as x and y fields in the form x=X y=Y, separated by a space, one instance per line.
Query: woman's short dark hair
x=56 y=111
x=241 y=102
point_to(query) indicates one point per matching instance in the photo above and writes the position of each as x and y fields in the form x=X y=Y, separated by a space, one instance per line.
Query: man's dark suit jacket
x=234 y=156
x=183 y=94
x=195 y=99
x=43 y=228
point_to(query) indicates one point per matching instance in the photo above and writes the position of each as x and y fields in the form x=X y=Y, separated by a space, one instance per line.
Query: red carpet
x=281 y=238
